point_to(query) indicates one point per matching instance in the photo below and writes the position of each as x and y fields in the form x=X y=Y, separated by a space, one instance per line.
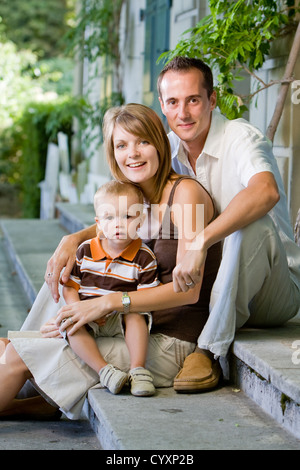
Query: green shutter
x=157 y=17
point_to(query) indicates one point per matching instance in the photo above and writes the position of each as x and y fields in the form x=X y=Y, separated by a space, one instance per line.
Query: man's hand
x=189 y=271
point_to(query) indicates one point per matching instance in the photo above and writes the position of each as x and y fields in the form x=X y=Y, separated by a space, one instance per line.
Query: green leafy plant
x=24 y=156
x=235 y=40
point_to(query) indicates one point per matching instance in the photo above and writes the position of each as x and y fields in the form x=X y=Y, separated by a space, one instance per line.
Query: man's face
x=186 y=105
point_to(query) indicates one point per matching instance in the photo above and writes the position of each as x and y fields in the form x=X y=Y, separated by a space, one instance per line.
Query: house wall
x=184 y=14
x=132 y=46
x=286 y=145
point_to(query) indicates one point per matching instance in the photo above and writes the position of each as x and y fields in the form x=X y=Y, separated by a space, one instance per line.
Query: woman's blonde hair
x=142 y=122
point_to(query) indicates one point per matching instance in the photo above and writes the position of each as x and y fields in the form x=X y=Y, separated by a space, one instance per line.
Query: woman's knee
x=3 y=343
x=15 y=362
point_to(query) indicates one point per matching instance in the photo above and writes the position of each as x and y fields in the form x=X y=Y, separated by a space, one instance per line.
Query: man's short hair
x=183 y=64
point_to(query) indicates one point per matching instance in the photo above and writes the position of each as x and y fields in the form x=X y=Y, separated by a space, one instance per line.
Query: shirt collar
x=128 y=254
x=213 y=144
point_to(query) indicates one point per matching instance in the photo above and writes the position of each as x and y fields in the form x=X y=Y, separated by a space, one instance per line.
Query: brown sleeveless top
x=184 y=322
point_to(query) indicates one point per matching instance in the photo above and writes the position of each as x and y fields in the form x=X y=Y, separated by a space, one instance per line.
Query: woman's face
x=136 y=157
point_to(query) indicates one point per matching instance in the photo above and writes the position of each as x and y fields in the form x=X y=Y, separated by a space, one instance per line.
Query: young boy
x=116 y=260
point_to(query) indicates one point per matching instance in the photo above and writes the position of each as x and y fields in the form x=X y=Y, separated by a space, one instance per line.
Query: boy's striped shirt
x=95 y=274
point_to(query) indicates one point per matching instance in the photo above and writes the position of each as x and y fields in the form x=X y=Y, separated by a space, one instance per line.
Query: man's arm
x=64 y=257
x=247 y=206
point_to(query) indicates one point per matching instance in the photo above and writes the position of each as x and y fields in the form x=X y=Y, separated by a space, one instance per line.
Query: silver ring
x=70 y=320
x=50 y=274
x=189 y=284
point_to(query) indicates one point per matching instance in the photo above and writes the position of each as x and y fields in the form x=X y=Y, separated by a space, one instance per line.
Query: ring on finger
x=50 y=274
x=70 y=320
x=189 y=284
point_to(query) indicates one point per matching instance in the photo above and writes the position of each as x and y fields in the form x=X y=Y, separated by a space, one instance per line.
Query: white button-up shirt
x=235 y=151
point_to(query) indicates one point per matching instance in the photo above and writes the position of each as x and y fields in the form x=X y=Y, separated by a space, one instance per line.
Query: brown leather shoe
x=199 y=373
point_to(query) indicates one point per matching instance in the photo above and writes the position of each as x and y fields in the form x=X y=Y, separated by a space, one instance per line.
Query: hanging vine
x=96 y=33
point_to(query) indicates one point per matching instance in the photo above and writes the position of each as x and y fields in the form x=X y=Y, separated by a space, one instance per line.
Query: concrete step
x=30 y=243
x=262 y=368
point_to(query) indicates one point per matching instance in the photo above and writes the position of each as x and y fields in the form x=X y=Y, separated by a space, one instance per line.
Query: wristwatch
x=126 y=302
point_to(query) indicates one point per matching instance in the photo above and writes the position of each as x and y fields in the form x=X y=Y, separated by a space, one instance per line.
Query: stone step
x=263 y=365
x=30 y=243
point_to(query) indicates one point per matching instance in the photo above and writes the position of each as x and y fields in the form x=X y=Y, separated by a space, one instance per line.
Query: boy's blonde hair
x=117 y=188
x=142 y=122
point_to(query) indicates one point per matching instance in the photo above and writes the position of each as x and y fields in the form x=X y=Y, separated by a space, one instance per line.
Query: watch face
x=125 y=299
x=126 y=302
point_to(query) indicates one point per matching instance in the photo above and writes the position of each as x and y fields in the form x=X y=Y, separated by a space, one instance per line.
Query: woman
x=138 y=151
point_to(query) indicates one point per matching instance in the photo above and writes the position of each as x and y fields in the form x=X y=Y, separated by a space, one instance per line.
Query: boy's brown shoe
x=199 y=373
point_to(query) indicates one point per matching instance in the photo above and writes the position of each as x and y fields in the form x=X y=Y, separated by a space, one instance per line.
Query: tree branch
x=285 y=85
x=271 y=83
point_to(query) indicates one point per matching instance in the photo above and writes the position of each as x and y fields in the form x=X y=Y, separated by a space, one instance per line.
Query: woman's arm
x=160 y=297
x=155 y=298
x=64 y=257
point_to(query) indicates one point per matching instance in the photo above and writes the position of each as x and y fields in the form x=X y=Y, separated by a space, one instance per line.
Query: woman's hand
x=83 y=312
x=63 y=257
x=50 y=329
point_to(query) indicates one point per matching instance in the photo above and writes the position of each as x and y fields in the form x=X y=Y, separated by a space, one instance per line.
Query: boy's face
x=119 y=217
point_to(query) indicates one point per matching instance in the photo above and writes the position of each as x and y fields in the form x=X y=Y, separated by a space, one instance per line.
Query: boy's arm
x=70 y=295
x=64 y=257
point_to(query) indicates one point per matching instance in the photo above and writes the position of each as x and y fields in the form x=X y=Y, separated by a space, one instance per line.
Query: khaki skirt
x=64 y=379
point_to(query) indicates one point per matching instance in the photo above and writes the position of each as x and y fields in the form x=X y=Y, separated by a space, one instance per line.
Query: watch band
x=126 y=302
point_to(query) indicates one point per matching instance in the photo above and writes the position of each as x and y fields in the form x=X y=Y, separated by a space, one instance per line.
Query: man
x=259 y=278
x=258 y=282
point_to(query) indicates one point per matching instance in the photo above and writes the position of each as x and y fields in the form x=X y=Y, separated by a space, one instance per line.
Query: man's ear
x=162 y=106
x=213 y=100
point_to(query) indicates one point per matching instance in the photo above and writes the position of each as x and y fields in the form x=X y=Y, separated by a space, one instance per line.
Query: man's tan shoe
x=199 y=373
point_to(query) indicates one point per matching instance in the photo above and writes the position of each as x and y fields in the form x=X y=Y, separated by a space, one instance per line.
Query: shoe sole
x=194 y=387
x=143 y=394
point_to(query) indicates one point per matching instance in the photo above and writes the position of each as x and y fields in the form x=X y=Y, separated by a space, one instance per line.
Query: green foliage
x=15 y=85
x=96 y=33
x=35 y=87
x=23 y=79
x=235 y=38
x=54 y=75
x=23 y=155
x=36 y=25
